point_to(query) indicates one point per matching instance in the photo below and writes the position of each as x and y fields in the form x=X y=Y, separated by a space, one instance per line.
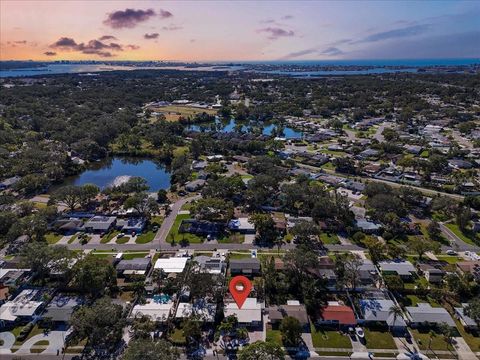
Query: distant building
x=424 y=314
x=293 y=309
x=249 y=267
x=100 y=224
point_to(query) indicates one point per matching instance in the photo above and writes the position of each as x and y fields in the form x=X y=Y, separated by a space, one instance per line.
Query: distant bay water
x=375 y=67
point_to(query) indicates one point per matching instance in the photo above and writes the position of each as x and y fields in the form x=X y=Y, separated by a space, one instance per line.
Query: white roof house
x=154 y=310
x=401 y=268
x=201 y=308
x=171 y=265
x=22 y=306
x=251 y=311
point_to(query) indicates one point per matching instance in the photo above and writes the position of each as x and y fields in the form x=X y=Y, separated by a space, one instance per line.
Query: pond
x=118 y=169
x=232 y=125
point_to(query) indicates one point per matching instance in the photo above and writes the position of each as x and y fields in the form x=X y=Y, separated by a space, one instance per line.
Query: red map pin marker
x=240 y=288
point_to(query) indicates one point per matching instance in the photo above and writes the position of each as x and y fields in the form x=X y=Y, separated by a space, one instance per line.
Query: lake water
x=113 y=170
x=231 y=126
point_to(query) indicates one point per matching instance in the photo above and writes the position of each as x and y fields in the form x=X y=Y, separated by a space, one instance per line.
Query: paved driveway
x=54 y=338
x=8 y=340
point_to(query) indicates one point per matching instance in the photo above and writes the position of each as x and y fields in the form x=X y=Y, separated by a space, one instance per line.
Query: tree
x=262 y=350
x=433 y=229
x=162 y=196
x=102 y=324
x=396 y=312
x=192 y=332
x=93 y=275
x=394 y=282
x=87 y=193
x=291 y=330
x=306 y=232
x=43 y=259
x=143 y=204
x=473 y=310
x=420 y=246
x=376 y=248
x=463 y=217
x=147 y=349
x=71 y=195
x=347 y=268
x=142 y=327
x=265 y=227
x=212 y=209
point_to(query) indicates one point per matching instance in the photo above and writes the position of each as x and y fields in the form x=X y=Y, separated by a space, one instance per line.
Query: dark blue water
x=409 y=65
x=267 y=129
x=105 y=173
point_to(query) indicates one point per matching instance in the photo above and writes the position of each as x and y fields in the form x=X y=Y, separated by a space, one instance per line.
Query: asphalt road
x=457 y=243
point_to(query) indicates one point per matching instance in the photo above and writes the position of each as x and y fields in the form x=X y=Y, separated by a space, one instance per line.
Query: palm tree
x=278 y=243
x=396 y=312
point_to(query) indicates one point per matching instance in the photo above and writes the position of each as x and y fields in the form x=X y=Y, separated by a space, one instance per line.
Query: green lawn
x=52 y=238
x=469 y=238
x=145 y=237
x=379 y=339
x=328 y=238
x=177 y=237
x=177 y=336
x=109 y=236
x=130 y=256
x=472 y=340
x=122 y=240
x=232 y=239
x=423 y=339
x=35 y=331
x=239 y=255
x=275 y=336
x=329 y=339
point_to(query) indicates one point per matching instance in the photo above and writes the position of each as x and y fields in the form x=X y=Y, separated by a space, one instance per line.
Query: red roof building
x=337 y=315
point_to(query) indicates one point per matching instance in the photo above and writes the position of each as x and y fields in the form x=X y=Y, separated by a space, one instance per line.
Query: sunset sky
x=238 y=30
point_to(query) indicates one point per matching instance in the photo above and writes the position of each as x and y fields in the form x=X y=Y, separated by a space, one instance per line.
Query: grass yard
x=329 y=339
x=178 y=237
x=469 y=238
x=423 y=339
x=35 y=331
x=105 y=239
x=130 y=256
x=237 y=255
x=145 y=237
x=122 y=240
x=177 y=336
x=232 y=239
x=379 y=339
x=328 y=238
x=52 y=238
x=275 y=336
x=472 y=340
x=174 y=112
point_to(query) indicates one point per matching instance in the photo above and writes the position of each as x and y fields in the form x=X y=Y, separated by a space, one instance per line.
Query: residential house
x=158 y=311
x=247 y=267
x=8 y=183
x=242 y=225
x=368 y=227
x=337 y=315
x=425 y=315
x=132 y=225
x=195 y=185
x=249 y=315
x=470 y=267
x=210 y=265
x=22 y=308
x=136 y=266
x=294 y=309
x=404 y=269
x=202 y=309
x=67 y=225
x=467 y=322
x=367 y=273
x=12 y=277
x=431 y=273
x=100 y=224
x=61 y=308
x=171 y=265
x=378 y=311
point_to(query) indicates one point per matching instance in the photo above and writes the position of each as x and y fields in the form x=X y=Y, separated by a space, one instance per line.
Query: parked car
x=451 y=252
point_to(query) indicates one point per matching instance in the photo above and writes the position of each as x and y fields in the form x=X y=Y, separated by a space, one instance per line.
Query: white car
x=472 y=255
x=451 y=252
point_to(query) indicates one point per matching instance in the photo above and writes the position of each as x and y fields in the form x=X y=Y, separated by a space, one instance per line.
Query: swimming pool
x=162 y=298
